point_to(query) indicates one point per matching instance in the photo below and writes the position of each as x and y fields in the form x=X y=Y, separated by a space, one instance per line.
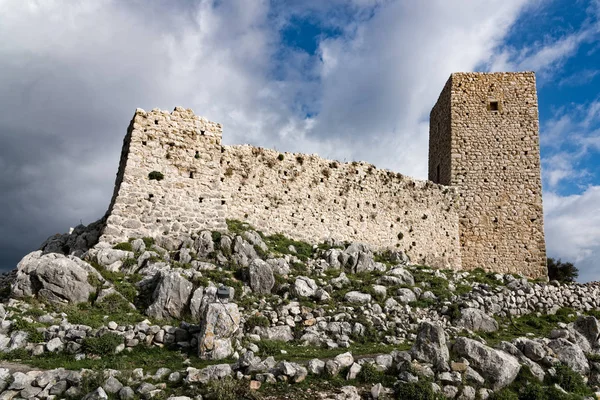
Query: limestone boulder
x=282 y=333
x=204 y=245
x=55 y=277
x=498 y=367
x=430 y=346
x=261 y=276
x=476 y=320
x=219 y=323
x=570 y=354
x=304 y=287
x=357 y=297
x=170 y=297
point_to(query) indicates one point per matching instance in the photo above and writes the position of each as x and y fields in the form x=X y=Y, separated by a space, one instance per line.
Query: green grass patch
x=280 y=244
x=512 y=328
x=123 y=246
x=237 y=227
x=297 y=352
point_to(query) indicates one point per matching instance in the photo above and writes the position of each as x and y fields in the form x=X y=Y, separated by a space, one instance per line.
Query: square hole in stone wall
x=494 y=106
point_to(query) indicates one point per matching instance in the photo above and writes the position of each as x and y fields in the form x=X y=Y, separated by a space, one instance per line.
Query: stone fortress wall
x=481 y=207
x=484 y=140
x=312 y=199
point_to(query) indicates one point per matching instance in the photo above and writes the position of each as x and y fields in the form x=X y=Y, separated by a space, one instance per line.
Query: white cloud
x=572 y=227
x=569 y=138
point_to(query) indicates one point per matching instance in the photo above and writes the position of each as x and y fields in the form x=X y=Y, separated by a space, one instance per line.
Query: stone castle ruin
x=481 y=207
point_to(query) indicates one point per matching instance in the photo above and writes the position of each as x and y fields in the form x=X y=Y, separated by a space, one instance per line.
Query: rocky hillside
x=247 y=316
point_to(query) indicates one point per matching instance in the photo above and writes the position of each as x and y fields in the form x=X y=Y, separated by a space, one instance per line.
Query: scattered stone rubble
x=342 y=294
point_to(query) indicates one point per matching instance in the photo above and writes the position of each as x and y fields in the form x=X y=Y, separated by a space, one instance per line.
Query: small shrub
x=30 y=328
x=237 y=227
x=269 y=348
x=504 y=394
x=128 y=263
x=421 y=390
x=216 y=237
x=280 y=157
x=257 y=320
x=228 y=171
x=300 y=160
x=229 y=389
x=369 y=374
x=326 y=172
x=562 y=271
x=102 y=345
x=123 y=246
x=569 y=380
x=94 y=281
x=156 y=175
x=148 y=242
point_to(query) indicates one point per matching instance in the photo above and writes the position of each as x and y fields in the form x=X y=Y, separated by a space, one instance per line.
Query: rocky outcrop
x=171 y=296
x=56 y=278
x=476 y=320
x=498 y=368
x=261 y=276
x=430 y=346
x=219 y=323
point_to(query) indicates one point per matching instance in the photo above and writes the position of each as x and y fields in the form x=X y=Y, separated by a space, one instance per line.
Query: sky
x=347 y=79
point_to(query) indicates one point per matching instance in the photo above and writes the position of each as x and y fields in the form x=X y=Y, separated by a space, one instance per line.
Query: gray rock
x=344 y=359
x=279 y=266
x=138 y=246
x=98 y=394
x=220 y=322
x=499 y=368
x=170 y=298
x=316 y=366
x=468 y=393
x=281 y=333
x=255 y=239
x=430 y=346
x=59 y=388
x=108 y=256
x=243 y=252
x=531 y=349
x=126 y=393
x=571 y=355
x=204 y=244
x=357 y=297
x=405 y=295
x=348 y=393
x=353 y=371
x=304 y=287
x=405 y=277
x=261 y=276
x=196 y=303
x=55 y=345
x=57 y=278
x=476 y=320
x=112 y=385
x=589 y=327
x=207 y=374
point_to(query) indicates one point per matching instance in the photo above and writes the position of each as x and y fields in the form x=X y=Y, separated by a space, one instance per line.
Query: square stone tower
x=183 y=151
x=484 y=140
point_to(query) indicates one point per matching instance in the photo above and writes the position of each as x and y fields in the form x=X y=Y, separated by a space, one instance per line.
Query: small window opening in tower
x=191 y=175
x=494 y=106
